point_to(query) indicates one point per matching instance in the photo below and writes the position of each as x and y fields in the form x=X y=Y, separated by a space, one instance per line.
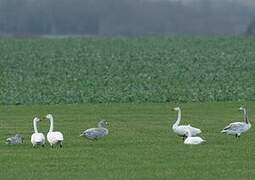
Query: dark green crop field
x=92 y=70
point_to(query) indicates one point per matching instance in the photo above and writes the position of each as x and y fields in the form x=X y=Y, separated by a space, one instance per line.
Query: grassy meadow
x=140 y=145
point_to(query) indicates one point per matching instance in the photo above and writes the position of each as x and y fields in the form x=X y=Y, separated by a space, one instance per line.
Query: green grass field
x=139 y=146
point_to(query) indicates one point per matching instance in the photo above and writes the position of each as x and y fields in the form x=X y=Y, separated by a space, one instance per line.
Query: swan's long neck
x=246 y=120
x=178 y=119
x=51 y=125
x=35 y=126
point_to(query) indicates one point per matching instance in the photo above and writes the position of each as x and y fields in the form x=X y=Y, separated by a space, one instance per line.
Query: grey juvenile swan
x=17 y=139
x=96 y=133
x=237 y=128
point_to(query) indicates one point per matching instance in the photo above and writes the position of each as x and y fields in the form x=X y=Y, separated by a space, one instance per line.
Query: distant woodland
x=125 y=18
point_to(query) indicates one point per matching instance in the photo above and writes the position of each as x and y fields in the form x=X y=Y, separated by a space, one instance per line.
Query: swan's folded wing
x=234 y=126
x=95 y=132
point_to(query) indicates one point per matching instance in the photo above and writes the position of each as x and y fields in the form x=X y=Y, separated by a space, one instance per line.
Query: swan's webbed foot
x=42 y=145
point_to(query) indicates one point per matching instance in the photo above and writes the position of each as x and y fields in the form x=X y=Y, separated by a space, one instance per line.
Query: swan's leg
x=51 y=145
x=42 y=145
x=238 y=135
x=61 y=145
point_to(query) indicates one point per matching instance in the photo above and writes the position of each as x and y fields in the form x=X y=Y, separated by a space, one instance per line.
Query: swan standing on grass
x=237 y=128
x=37 y=138
x=193 y=140
x=182 y=130
x=54 y=137
x=96 y=133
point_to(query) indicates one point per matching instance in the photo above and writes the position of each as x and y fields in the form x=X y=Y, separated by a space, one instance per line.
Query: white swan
x=193 y=140
x=37 y=138
x=182 y=130
x=54 y=137
x=96 y=133
x=237 y=128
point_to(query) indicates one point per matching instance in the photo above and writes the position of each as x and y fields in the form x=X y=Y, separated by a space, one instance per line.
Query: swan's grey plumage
x=237 y=128
x=17 y=139
x=97 y=133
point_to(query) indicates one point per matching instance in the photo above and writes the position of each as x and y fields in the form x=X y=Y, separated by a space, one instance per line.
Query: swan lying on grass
x=17 y=139
x=193 y=140
x=96 y=133
x=37 y=138
x=182 y=130
x=54 y=137
x=237 y=128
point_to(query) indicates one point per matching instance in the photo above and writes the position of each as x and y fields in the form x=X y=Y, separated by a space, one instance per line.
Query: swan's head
x=102 y=123
x=36 y=119
x=49 y=116
x=177 y=109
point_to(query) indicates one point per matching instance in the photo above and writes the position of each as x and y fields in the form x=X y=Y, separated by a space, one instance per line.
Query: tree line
x=125 y=17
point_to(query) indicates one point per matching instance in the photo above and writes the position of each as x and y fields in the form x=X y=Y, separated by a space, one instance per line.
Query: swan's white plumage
x=182 y=130
x=237 y=128
x=37 y=138
x=96 y=133
x=54 y=137
x=193 y=140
